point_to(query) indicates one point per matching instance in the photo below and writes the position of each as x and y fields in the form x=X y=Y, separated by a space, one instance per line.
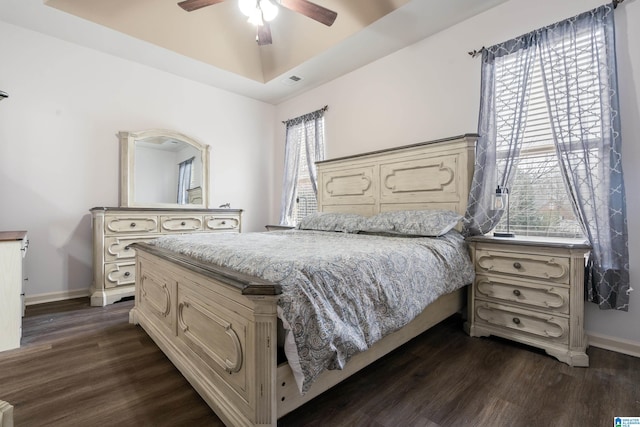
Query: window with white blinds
x=538 y=199
x=306 y=201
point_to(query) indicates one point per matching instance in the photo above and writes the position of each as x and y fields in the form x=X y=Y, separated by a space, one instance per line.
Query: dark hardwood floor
x=86 y=366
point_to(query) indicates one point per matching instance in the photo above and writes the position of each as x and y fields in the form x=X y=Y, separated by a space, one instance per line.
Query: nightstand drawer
x=539 y=267
x=539 y=296
x=551 y=328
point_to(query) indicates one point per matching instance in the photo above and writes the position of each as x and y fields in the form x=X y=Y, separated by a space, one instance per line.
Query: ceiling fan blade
x=311 y=10
x=264 y=34
x=191 y=5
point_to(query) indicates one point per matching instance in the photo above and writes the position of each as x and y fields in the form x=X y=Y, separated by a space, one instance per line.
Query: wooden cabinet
x=13 y=249
x=115 y=229
x=530 y=290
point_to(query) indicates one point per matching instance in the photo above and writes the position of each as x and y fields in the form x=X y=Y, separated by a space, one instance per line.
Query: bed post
x=264 y=353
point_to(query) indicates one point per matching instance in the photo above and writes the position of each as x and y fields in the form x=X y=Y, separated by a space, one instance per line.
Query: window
x=185 y=180
x=539 y=202
x=557 y=84
x=304 y=146
x=306 y=200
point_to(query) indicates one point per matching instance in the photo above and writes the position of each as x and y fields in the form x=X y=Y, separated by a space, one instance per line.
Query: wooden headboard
x=429 y=175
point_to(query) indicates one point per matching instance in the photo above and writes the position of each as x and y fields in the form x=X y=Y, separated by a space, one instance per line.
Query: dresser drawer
x=131 y=224
x=509 y=319
x=540 y=267
x=119 y=274
x=221 y=223
x=182 y=223
x=553 y=298
x=116 y=248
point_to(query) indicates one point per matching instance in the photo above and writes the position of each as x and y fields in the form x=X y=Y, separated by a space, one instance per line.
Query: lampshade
x=500 y=202
x=500 y=199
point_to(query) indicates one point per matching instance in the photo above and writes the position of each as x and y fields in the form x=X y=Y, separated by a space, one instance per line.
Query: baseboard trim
x=618 y=345
x=55 y=296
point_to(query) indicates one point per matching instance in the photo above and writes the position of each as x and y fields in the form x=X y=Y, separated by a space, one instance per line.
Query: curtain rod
x=325 y=108
x=475 y=52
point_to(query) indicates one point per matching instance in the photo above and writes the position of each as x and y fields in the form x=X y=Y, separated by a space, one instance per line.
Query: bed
x=219 y=325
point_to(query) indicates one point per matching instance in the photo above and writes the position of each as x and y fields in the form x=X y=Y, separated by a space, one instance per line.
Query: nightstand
x=530 y=290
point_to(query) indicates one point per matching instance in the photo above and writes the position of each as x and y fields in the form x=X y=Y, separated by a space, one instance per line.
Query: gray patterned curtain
x=502 y=122
x=303 y=133
x=583 y=106
x=577 y=59
x=184 y=180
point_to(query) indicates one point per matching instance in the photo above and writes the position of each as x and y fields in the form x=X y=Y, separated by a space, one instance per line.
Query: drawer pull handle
x=183 y=223
x=517 y=292
x=127 y=274
x=516 y=320
x=517 y=265
x=126 y=248
x=223 y=222
x=133 y=224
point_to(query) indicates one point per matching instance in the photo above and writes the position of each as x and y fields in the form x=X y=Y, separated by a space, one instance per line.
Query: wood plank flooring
x=86 y=366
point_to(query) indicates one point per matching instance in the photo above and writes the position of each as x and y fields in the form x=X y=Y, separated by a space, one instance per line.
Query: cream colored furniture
x=219 y=327
x=115 y=229
x=13 y=248
x=149 y=175
x=530 y=290
x=6 y=414
x=149 y=162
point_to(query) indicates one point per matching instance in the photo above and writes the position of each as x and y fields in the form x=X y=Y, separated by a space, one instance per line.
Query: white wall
x=432 y=89
x=59 y=151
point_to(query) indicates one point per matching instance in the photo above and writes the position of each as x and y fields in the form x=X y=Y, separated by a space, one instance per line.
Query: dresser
x=13 y=249
x=114 y=229
x=530 y=290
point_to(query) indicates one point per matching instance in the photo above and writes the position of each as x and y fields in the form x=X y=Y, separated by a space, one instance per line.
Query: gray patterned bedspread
x=340 y=292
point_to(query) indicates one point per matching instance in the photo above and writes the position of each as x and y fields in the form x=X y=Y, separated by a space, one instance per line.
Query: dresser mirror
x=163 y=169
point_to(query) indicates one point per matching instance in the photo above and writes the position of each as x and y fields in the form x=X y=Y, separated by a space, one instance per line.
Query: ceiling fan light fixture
x=256 y=17
x=247 y=7
x=258 y=11
x=269 y=10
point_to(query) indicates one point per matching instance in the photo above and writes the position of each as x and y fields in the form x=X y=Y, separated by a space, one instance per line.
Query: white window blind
x=306 y=201
x=539 y=203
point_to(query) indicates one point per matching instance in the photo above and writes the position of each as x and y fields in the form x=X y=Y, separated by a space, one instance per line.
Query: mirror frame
x=128 y=161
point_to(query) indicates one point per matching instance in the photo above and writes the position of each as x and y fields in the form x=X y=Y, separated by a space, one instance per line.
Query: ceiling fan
x=260 y=12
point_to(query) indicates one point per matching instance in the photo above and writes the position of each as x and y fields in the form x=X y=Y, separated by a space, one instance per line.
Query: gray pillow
x=332 y=221
x=430 y=223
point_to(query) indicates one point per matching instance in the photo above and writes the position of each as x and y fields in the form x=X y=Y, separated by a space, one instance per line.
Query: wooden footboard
x=223 y=341
x=221 y=333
